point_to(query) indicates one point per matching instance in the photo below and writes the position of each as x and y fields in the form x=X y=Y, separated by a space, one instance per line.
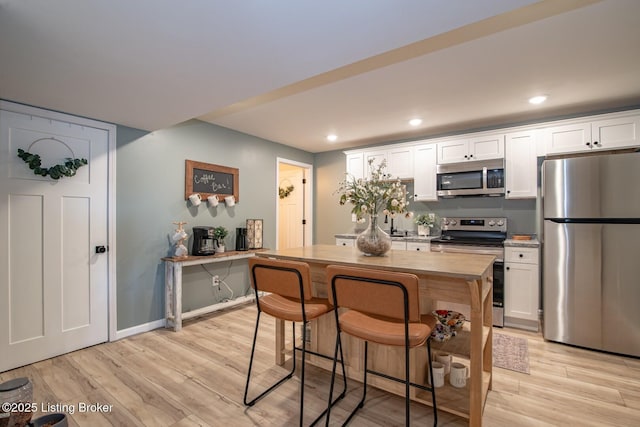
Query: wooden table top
x=468 y=266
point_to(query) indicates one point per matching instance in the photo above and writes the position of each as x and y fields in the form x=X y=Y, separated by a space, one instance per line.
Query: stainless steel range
x=478 y=236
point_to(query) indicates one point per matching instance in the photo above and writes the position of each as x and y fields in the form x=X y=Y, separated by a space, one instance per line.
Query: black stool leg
x=268 y=390
x=433 y=388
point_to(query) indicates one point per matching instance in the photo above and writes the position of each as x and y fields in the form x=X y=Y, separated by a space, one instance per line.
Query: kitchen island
x=450 y=277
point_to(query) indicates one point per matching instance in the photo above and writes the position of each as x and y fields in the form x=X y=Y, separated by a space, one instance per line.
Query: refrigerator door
x=592 y=187
x=592 y=285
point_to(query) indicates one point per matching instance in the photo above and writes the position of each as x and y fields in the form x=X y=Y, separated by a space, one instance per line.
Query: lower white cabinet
x=521 y=287
x=345 y=242
x=400 y=245
x=418 y=246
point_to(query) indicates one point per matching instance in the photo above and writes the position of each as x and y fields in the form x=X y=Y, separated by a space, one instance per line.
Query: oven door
x=498 y=293
x=498 y=272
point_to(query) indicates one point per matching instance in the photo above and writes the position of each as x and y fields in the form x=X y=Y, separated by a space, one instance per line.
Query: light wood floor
x=196 y=378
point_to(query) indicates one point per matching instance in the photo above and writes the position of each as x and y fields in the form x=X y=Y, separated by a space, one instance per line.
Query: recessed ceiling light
x=537 y=99
x=332 y=137
x=415 y=122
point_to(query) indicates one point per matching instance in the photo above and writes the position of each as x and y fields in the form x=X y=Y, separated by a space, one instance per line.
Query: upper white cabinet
x=400 y=162
x=483 y=147
x=376 y=157
x=424 y=179
x=355 y=164
x=521 y=165
x=605 y=134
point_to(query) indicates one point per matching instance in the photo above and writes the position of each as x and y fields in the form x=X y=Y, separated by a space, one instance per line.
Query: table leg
x=279 y=342
x=475 y=374
x=177 y=297
x=169 y=290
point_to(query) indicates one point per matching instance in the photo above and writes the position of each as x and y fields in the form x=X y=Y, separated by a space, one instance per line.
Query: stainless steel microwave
x=476 y=178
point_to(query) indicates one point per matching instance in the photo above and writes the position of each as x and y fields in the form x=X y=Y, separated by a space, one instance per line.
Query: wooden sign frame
x=211 y=180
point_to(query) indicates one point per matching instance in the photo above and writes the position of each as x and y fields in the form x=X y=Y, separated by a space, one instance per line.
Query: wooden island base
x=456 y=278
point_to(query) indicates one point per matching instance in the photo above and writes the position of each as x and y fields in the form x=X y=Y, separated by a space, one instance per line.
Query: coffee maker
x=242 y=243
x=202 y=241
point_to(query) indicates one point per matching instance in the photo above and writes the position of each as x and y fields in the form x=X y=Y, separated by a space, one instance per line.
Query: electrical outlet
x=215 y=280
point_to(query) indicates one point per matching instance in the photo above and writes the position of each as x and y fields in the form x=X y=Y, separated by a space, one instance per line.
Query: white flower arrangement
x=378 y=194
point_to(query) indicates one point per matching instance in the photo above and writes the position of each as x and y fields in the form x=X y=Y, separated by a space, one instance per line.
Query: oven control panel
x=474 y=224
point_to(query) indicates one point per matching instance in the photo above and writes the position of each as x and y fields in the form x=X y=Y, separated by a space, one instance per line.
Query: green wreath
x=284 y=192
x=68 y=168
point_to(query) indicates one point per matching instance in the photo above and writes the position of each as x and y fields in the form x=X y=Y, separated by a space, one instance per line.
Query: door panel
x=572 y=284
x=54 y=294
x=25 y=273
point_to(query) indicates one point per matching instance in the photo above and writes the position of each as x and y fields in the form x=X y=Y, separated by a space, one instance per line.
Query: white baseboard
x=156 y=324
x=134 y=330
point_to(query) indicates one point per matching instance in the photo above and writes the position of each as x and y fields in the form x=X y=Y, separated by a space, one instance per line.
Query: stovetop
x=473 y=231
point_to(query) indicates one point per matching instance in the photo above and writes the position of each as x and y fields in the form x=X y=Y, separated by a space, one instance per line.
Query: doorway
x=294 y=204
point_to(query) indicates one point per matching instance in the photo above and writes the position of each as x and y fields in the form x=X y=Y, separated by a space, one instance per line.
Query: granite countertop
x=533 y=243
x=409 y=238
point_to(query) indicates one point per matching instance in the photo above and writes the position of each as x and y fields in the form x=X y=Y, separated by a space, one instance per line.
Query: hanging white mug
x=230 y=201
x=195 y=199
x=213 y=201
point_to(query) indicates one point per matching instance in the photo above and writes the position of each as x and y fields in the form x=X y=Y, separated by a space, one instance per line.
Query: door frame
x=112 y=320
x=308 y=199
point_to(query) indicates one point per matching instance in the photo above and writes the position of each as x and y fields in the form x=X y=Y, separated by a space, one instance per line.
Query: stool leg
x=253 y=348
x=433 y=388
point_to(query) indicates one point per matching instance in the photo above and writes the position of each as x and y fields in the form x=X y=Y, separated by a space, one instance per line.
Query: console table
x=173 y=283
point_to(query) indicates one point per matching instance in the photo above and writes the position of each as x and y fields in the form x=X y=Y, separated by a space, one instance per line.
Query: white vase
x=423 y=230
x=219 y=248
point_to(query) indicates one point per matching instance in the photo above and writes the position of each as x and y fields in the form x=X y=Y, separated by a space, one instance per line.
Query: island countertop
x=466 y=266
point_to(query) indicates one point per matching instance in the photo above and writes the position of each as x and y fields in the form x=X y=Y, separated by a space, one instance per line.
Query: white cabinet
x=483 y=147
x=399 y=158
x=521 y=165
x=400 y=162
x=340 y=241
x=376 y=157
x=355 y=164
x=399 y=245
x=419 y=246
x=605 y=134
x=424 y=177
x=521 y=287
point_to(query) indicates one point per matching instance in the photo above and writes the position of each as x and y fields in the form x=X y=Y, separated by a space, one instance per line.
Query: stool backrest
x=375 y=292
x=285 y=278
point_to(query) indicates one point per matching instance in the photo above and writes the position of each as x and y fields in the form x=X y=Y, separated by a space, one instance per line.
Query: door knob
x=101 y=249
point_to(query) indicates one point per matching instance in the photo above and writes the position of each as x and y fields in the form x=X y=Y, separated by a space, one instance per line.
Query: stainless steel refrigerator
x=591 y=246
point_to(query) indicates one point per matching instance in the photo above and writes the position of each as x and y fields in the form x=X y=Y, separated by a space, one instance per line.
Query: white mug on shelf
x=230 y=201
x=445 y=359
x=438 y=374
x=458 y=375
x=195 y=199
x=213 y=201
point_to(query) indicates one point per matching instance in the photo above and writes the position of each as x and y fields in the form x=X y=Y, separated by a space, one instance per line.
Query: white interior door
x=291 y=208
x=53 y=284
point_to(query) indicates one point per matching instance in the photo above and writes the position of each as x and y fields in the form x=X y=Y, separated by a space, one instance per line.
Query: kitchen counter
x=533 y=243
x=410 y=238
x=451 y=277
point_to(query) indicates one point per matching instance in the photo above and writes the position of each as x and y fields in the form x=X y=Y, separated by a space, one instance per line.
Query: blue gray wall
x=150 y=196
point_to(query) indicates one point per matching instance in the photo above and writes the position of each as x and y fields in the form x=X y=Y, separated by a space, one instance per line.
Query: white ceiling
x=293 y=71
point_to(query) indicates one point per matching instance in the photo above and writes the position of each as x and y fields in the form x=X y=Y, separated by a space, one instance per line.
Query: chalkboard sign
x=210 y=180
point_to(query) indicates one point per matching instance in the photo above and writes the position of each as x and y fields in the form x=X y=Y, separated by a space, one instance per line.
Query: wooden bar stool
x=383 y=308
x=289 y=286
